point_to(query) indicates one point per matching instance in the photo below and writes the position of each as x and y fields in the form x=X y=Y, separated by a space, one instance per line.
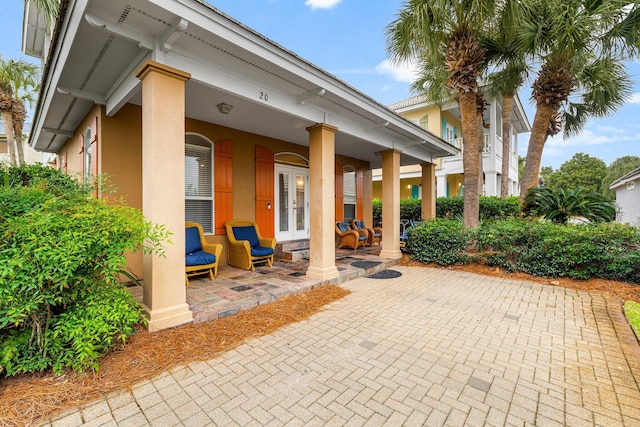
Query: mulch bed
x=623 y=290
x=26 y=399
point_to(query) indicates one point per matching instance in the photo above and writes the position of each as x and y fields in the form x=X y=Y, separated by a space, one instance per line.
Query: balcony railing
x=460 y=146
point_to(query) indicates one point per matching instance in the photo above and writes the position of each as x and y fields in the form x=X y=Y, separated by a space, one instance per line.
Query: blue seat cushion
x=261 y=251
x=247 y=233
x=360 y=224
x=377 y=235
x=200 y=258
x=363 y=237
x=192 y=240
x=343 y=226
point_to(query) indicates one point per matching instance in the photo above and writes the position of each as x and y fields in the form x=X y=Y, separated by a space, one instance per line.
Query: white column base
x=390 y=254
x=167 y=317
x=326 y=273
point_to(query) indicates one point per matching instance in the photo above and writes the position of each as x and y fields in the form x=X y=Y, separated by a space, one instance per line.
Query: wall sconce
x=225 y=108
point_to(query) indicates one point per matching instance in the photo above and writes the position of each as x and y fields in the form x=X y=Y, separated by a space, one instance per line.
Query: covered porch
x=235 y=290
x=138 y=90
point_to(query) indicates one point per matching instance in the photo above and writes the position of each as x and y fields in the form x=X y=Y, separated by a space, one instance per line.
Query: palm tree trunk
x=480 y=127
x=507 y=109
x=538 y=137
x=470 y=162
x=8 y=129
x=17 y=132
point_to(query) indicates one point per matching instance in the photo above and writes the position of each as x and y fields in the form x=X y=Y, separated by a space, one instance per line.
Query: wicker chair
x=374 y=235
x=350 y=238
x=200 y=257
x=246 y=246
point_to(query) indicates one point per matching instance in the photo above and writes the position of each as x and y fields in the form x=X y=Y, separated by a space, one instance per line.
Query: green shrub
x=411 y=209
x=490 y=207
x=60 y=253
x=377 y=212
x=449 y=207
x=610 y=251
x=441 y=241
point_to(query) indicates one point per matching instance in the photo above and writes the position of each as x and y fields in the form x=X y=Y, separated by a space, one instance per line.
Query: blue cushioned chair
x=374 y=235
x=247 y=246
x=349 y=237
x=200 y=257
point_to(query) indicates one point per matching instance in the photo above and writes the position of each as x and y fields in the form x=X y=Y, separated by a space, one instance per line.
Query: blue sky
x=346 y=38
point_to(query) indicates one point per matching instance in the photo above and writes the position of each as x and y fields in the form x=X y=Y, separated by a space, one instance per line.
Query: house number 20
x=264 y=96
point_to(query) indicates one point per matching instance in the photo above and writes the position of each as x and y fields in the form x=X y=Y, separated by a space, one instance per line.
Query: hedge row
x=608 y=251
x=451 y=208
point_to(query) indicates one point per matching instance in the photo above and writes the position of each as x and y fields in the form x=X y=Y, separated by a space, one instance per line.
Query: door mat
x=385 y=274
x=365 y=264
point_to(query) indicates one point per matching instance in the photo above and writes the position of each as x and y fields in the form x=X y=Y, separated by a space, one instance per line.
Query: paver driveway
x=433 y=347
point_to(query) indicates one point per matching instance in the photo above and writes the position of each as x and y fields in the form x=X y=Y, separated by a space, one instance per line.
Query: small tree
x=581 y=171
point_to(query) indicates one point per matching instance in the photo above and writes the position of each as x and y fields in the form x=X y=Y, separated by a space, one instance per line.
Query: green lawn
x=632 y=311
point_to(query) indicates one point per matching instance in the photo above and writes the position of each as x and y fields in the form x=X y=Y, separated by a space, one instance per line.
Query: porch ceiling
x=100 y=45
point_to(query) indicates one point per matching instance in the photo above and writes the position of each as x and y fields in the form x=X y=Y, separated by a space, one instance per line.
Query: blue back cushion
x=247 y=233
x=343 y=226
x=360 y=224
x=192 y=240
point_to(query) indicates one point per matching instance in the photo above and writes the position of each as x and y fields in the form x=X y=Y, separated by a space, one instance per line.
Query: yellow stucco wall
x=405 y=188
x=119 y=157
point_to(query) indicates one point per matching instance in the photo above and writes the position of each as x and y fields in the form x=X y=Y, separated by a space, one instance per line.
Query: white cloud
x=321 y=4
x=635 y=98
x=405 y=73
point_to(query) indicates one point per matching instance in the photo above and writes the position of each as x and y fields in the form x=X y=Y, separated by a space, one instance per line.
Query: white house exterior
x=627 y=190
x=445 y=121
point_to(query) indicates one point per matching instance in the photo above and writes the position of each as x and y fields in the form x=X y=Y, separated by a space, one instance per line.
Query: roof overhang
x=625 y=179
x=100 y=45
x=34 y=25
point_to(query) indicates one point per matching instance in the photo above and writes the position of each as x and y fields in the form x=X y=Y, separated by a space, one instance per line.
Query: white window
x=87 y=157
x=198 y=182
x=630 y=185
x=349 y=193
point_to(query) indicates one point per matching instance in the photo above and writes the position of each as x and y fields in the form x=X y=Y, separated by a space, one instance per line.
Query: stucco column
x=391 y=204
x=367 y=215
x=163 y=129
x=491 y=184
x=322 y=176
x=428 y=190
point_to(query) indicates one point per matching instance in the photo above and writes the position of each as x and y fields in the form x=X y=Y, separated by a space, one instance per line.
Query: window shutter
x=223 y=159
x=444 y=129
x=339 y=193
x=264 y=191
x=359 y=193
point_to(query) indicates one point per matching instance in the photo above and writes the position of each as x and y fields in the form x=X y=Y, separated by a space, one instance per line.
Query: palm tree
x=16 y=78
x=445 y=35
x=560 y=204
x=510 y=60
x=581 y=44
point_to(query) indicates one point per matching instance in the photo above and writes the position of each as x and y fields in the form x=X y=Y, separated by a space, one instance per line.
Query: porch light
x=225 y=108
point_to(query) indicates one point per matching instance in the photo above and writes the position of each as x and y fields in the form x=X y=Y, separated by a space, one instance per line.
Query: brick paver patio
x=433 y=347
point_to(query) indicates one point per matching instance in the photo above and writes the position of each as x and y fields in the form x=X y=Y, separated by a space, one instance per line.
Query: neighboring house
x=194 y=116
x=445 y=121
x=31 y=156
x=627 y=190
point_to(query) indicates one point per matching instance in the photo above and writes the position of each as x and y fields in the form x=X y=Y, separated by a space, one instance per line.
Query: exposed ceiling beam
x=143 y=40
x=83 y=94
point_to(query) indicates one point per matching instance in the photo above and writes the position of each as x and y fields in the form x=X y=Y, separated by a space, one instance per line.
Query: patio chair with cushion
x=349 y=237
x=247 y=246
x=200 y=257
x=374 y=235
